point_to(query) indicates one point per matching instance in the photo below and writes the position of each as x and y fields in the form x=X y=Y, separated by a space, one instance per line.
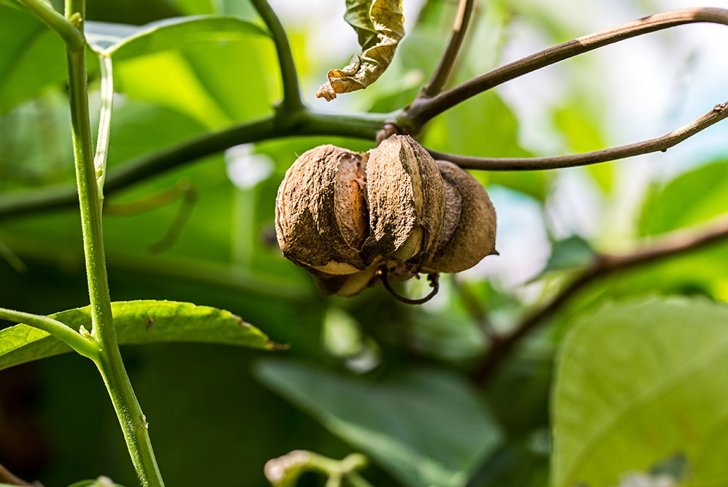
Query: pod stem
x=434 y=279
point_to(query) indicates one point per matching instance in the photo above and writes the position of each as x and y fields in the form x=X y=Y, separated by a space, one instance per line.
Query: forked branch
x=678 y=243
x=422 y=110
x=658 y=144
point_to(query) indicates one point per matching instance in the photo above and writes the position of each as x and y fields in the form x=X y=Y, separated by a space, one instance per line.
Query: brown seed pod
x=405 y=196
x=470 y=223
x=321 y=213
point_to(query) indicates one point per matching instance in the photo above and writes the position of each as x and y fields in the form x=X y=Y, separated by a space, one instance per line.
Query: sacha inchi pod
x=348 y=217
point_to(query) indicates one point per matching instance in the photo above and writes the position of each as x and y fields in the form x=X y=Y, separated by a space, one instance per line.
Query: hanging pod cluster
x=350 y=217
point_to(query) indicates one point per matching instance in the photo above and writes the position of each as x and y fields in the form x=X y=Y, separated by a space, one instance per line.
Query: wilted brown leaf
x=379 y=25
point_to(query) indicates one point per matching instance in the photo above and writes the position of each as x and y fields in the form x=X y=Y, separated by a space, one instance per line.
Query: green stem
x=110 y=364
x=81 y=344
x=68 y=32
x=363 y=126
x=291 y=94
x=104 y=132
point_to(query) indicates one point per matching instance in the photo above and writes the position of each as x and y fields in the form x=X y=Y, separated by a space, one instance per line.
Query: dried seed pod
x=468 y=233
x=321 y=213
x=405 y=196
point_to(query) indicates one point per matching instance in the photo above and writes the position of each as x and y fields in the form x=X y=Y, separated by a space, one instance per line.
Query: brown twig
x=7 y=477
x=680 y=242
x=447 y=61
x=423 y=109
x=658 y=144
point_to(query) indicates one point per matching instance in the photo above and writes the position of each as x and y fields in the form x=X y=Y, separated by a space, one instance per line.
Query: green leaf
x=693 y=197
x=32 y=57
x=639 y=383
x=173 y=33
x=379 y=26
x=136 y=322
x=581 y=128
x=425 y=427
x=210 y=59
x=570 y=253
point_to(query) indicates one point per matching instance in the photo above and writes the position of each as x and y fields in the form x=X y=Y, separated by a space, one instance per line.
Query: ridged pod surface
x=470 y=223
x=321 y=218
x=406 y=199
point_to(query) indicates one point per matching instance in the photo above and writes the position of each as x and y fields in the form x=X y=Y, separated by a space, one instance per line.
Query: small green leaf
x=570 y=253
x=379 y=26
x=425 y=427
x=638 y=384
x=136 y=322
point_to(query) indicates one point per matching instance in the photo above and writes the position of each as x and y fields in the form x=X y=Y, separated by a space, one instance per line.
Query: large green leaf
x=425 y=427
x=175 y=33
x=199 y=66
x=639 y=383
x=136 y=322
x=32 y=57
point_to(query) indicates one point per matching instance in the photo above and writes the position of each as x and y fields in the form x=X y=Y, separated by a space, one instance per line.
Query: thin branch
x=680 y=242
x=422 y=110
x=447 y=61
x=81 y=344
x=291 y=94
x=306 y=123
x=658 y=144
x=72 y=36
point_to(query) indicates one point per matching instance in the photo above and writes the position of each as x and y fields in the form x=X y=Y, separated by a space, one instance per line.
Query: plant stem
x=658 y=144
x=447 y=61
x=81 y=344
x=109 y=362
x=363 y=126
x=424 y=109
x=68 y=32
x=291 y=94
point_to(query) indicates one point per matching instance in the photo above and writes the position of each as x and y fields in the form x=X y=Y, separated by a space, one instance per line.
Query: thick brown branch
x=659 y=144
x=424 y=109
x=444 y=68
x=680 y=242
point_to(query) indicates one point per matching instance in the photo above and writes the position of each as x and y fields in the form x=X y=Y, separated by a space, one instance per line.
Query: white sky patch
x=245 y=168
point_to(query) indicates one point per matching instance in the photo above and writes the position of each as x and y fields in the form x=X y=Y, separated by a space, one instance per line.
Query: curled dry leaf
x=379 y=25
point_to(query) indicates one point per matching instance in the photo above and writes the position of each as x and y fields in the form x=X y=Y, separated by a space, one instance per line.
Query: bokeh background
x=217 y=414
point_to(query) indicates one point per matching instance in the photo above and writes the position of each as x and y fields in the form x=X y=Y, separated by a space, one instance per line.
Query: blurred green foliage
x=636 y=382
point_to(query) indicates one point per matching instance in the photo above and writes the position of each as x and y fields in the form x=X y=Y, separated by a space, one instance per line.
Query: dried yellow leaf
x=379 y=25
